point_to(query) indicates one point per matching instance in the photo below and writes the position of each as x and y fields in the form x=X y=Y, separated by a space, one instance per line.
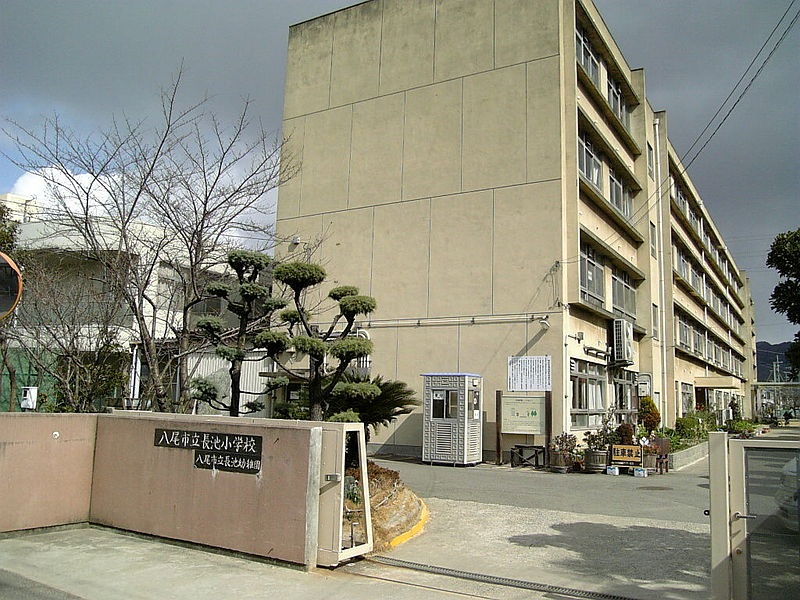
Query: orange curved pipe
x=7 y=260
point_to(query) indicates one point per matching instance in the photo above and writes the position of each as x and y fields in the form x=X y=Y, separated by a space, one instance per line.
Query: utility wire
x=744 y=73
x=644 y=209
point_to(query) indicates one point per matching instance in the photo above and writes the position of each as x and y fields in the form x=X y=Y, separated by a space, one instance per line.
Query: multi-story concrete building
x=492 y=173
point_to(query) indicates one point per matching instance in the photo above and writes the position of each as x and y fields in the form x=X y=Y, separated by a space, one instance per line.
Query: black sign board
x=231 y=452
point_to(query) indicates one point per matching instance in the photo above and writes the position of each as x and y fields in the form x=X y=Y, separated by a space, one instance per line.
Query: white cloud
x=31 y=185
x=34 y=185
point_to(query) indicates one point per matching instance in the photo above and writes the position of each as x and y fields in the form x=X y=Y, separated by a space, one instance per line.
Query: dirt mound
x=395 y=508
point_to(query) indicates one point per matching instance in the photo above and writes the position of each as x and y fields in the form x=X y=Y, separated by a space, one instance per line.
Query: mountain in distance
x=766 y=355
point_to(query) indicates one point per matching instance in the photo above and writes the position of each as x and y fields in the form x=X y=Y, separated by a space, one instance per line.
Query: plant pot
x=561 y=462
x=595 y=461
x=649 y=461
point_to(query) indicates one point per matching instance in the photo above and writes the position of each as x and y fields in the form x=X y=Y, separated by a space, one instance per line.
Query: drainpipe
x=662 y=309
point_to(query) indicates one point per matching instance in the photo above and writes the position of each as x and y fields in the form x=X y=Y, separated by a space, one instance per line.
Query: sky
x=88 y=60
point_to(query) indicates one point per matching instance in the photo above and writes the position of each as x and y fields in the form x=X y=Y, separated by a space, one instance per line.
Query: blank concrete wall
x=45 y=469
x=158 y=490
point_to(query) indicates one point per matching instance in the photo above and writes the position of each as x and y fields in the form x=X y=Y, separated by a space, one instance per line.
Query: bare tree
x=8 y=244
x=158 y=207
x=69 y=329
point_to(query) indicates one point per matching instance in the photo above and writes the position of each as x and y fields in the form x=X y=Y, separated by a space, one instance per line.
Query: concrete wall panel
x=461 y=255
x=525 y=30
x=464 y=38
x=525 y=252
x=401 y=262
x=356 y=53
x=289 y=192
x=308 y=69
x=46 y=469
x=326 y=161
x=544 y=120
x=494 y=129
x=156 y=490
x=407 y=44
x=432 y=146
x=376 y=166
x=346 y=253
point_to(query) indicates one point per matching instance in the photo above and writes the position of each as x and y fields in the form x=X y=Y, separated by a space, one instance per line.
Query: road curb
x=415 y=530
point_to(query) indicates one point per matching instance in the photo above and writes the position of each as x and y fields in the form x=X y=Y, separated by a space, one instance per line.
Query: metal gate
x=755 y=511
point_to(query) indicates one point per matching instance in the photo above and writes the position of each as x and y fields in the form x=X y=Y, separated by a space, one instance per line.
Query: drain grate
x=492 y=579
x=654 y=488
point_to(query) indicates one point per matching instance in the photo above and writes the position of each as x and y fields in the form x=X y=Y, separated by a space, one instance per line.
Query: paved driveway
x=616 y=536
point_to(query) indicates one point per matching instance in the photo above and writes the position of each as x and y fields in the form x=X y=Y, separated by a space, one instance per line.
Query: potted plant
x=562 y=452
x=595 y=457
x=649 y=452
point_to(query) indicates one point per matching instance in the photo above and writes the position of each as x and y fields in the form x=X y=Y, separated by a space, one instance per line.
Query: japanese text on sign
x=529 y=374
x=235 y=463
x=223 y=451
x=626 y=455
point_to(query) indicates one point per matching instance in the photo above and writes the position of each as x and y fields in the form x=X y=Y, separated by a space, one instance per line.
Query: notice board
x=524 y=415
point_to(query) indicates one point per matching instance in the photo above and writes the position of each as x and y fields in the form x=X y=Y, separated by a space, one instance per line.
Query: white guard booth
x=452 y=426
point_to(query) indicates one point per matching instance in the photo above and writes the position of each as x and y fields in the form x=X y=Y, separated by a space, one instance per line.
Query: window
x=655 y=321
x=591 y=273
x=445 y=404
x=619 y=194
x=625 y=404
x=623 y=295
x=586 y=56
x=651 y=162
x=588 y=393
x=589 y=163
x=617 y=102
x=684 y=334
x=696 y=280
x=653 y=240
x=694 y=221
x=687 y=397
x=684 y=267
x=699 y=342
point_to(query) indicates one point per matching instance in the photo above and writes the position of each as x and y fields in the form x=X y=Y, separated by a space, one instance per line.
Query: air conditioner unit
x=623 y=341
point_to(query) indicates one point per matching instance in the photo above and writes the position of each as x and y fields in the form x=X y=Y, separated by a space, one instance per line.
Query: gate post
x=719 y=495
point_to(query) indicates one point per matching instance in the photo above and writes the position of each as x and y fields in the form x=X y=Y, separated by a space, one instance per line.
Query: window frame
x=623 y=294
x=619 y=194
x=616 y=101
x=592 y=276
x=588 y=393
x=586 y=56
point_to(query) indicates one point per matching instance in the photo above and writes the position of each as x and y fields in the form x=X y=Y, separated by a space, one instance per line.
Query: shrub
x=648 y=414
x=688 y=427
x=743 y=428
x=625 y=434
x=347 y=416
x=564 y=442
x=603 y=436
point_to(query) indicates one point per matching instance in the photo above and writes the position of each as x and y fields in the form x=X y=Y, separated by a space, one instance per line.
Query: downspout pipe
x=662 y=314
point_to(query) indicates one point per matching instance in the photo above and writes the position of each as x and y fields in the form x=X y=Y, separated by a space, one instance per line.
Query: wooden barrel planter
x=561 y=462
x=595 y=461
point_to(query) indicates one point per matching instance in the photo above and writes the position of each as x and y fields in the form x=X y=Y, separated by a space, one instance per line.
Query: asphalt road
x=680 y=495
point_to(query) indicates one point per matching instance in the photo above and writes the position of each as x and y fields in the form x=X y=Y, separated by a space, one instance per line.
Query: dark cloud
x=693 y=53
x=88 y=60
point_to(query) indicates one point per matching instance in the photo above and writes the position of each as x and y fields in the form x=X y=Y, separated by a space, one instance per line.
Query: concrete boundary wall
x=270 y=488
x=45 y=469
